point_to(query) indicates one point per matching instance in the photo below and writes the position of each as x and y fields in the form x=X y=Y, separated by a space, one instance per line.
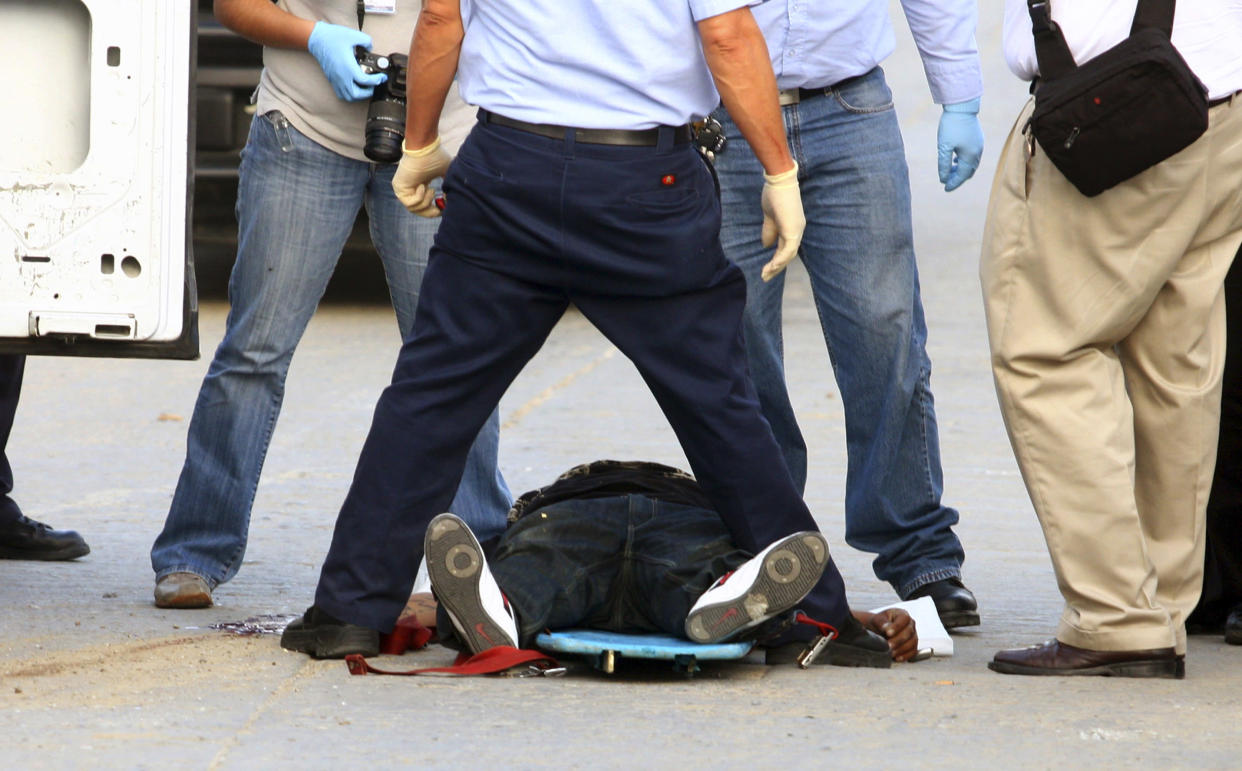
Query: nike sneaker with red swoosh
x=766 y=585
x=465 y=587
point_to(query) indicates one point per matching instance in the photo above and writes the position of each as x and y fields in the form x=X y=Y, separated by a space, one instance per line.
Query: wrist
x=317 y=29
x=421 y=152
x=971 y=106
x=784 y=177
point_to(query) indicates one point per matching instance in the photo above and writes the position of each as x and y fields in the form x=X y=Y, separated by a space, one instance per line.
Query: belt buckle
x=790 y=96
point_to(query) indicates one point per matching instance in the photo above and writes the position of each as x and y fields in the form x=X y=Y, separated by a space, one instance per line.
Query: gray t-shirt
x=293 y=82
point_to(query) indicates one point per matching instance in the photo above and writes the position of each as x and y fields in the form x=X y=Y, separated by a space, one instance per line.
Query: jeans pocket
x=865 y=94
x=280 y=124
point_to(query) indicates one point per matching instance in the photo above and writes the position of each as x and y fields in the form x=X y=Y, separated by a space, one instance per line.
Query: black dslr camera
x=385 y=126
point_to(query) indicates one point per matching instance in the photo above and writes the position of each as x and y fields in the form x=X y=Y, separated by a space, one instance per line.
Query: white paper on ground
x=931 y=632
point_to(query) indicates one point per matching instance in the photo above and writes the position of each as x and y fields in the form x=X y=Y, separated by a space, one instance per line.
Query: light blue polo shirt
x=620 y=64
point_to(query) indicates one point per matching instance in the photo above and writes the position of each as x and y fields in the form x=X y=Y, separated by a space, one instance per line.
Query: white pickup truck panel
x=94 y=95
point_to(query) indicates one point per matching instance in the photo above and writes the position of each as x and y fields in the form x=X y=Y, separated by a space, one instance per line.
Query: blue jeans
x=622 y=563
x=859 y=252
x=296 y=206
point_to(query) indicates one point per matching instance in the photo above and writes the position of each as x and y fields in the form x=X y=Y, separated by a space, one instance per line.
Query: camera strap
x=362 y=12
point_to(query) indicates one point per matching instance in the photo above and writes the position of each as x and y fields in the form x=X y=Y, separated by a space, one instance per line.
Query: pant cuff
x=940 y=574
x=211 y=582
x=1135 y=639
x=350 y=613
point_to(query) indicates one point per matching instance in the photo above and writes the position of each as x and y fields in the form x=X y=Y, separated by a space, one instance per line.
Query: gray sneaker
x=182 y=590
x=768 y=584
x=465 y=586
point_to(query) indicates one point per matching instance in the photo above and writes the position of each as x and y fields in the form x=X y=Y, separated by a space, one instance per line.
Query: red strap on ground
x=825 y=630
x=489 y=662
x=407 y=635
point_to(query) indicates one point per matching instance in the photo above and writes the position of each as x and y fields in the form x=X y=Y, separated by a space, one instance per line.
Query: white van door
x=96 y=178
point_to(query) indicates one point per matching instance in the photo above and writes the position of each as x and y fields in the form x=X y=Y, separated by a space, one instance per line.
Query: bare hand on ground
x=896 y=626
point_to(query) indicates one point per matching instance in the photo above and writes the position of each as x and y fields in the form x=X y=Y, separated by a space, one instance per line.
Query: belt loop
x=664 y=141
x=571 y=141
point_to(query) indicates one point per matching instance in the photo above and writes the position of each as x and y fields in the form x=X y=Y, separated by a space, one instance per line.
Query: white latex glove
x=783 y=220
x=412 y=180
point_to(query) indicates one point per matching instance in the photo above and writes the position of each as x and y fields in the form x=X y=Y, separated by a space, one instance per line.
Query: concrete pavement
x=92 y=675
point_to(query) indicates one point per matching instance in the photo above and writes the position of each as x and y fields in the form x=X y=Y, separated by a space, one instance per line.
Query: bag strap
x=1156 y=14
x=1051 y=52
x=491 y=661
x=1055 y=59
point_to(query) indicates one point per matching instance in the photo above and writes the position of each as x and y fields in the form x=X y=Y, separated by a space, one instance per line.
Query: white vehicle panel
x=93 y=169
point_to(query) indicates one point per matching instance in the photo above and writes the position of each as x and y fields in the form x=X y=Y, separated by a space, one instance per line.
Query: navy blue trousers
x=629 y=235
x=11 y=368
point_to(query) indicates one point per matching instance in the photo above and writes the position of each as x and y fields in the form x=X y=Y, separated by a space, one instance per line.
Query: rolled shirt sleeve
x=705 y=9
x=944 y=32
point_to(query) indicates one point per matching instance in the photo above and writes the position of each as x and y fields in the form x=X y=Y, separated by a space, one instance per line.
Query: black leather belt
x=626 y=137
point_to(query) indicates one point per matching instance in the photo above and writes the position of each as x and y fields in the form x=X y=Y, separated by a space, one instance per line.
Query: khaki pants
x=1106 y=322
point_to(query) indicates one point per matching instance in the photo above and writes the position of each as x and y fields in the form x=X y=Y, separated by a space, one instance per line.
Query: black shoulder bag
x=1120 y=113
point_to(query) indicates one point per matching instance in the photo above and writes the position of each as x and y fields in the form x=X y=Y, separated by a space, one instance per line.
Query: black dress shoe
x=1056 y=658
x=325 y=637
x=955 y=604
x=26 y=539
x=1233 y=626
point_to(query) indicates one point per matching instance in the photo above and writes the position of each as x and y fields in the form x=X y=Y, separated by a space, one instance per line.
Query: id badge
x=381 y=6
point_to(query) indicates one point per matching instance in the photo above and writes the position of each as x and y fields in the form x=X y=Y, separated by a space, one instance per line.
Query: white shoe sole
x=787 y=571
x=458 y=572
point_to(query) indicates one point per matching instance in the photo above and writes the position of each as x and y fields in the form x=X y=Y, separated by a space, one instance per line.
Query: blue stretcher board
x=605 y=647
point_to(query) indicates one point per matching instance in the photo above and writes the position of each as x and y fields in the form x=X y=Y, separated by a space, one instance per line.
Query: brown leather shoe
x=1057 y=658
x=182 y=590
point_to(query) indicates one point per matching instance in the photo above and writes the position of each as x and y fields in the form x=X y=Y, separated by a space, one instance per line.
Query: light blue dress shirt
x=620 y=64
x=818 y=43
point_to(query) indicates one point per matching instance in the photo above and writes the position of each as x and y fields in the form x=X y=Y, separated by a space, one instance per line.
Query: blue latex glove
x=333 y=47
x=959 y=143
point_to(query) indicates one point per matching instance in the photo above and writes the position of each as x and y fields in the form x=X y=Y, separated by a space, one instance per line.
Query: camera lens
x=385 y=129
x=385 y=126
